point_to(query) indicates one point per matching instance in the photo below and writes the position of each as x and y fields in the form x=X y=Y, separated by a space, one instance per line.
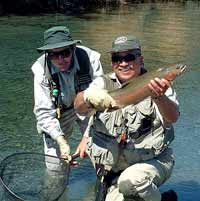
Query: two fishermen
x=143 y=161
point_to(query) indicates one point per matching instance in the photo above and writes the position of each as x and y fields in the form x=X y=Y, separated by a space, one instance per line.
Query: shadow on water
x=186 y=190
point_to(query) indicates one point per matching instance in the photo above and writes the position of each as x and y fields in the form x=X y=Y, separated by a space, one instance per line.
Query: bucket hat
x=126 y=42
x=56 y=37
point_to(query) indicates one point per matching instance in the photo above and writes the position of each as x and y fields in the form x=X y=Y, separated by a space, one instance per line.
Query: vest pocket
x=134 y=155
x=144 y=128
x=103 y=150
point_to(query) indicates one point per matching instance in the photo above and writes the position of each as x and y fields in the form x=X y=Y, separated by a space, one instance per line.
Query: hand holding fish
x=158 y=87
x=167 y=107
x=98 y=99
x=153 y=83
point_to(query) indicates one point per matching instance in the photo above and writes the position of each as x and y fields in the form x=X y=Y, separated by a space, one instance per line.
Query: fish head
x=180 y=68
x=173 y=71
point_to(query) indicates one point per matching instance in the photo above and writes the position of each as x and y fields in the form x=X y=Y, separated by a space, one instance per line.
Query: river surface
x=169 y=33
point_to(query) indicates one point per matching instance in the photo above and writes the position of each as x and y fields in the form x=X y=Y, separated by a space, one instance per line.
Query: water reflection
x=169 y=33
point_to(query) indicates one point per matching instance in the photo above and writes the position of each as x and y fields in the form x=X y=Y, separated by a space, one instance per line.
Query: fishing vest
x=82 y=80
x=139 y=126
x=83 y=77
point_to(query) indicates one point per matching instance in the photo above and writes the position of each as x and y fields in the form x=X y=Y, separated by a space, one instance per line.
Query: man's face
x=126 y=64
x=61 y=57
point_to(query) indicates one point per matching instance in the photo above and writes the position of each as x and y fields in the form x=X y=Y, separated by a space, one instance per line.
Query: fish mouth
x=181 y=68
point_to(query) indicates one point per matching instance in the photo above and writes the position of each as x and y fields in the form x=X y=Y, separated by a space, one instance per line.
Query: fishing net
x=25 y=176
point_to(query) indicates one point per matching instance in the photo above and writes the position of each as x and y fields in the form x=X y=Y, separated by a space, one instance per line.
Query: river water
x=169 y=33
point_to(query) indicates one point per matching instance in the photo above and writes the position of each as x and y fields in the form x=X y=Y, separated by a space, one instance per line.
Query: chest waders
x=82 y=79
x=105 y=175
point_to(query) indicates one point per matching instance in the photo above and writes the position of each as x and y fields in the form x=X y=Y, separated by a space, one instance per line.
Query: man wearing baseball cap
x=130 y=147
x=64 y=69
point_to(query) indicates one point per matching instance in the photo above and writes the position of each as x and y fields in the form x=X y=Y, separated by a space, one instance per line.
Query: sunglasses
x=126 y=58
x=56 y=55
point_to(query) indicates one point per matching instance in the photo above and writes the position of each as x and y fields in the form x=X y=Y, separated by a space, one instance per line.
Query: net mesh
x=25 y=176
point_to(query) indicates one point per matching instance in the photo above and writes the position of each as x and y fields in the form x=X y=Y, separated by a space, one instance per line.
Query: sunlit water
x=169 y=33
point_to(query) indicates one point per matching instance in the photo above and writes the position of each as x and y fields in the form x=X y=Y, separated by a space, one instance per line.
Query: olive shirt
x=44 y=108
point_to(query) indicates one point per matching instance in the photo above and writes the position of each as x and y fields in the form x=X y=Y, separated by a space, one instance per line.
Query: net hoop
x=5 y=162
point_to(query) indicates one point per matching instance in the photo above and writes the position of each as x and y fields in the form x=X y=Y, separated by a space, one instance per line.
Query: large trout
x=136 y=89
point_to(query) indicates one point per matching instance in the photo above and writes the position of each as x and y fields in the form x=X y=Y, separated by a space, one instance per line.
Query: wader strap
x=54 y=86
x=101 y=186
x=104 y=181
x=100 y=189
x=53 y=78
x=83 y=77
x=110 y=84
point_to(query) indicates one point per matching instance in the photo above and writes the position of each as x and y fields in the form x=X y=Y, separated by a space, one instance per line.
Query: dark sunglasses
x=64 y=54
x=127 y=58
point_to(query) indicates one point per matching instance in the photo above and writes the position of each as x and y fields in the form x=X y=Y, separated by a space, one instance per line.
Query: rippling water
x=169 y=33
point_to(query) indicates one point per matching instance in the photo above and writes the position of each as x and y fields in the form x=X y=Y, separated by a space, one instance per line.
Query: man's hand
x=99 y=99
x=82 y=147
x=167 y=108
x=158 y=87
x=64 y=147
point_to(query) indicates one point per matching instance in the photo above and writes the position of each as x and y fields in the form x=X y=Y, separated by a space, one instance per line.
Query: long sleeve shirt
x=44 y=108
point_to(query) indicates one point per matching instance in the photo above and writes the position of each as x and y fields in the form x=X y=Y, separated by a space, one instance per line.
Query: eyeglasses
x=127 y=58
x=56 y=55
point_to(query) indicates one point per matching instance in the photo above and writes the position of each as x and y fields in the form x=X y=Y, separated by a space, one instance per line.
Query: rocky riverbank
x=29 y=7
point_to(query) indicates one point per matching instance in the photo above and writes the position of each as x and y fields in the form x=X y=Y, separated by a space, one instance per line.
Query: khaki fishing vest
x=146 y=136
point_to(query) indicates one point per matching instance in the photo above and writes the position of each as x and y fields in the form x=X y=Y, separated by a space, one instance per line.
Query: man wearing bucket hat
x=129 y=147
x=64 y=69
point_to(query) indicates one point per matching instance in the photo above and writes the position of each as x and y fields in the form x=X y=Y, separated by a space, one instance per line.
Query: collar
x=114 y=77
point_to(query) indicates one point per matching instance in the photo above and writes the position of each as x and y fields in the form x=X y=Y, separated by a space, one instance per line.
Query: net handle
x=75 y=156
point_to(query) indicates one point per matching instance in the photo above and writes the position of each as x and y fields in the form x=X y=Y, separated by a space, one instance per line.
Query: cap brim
x=57 y=45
